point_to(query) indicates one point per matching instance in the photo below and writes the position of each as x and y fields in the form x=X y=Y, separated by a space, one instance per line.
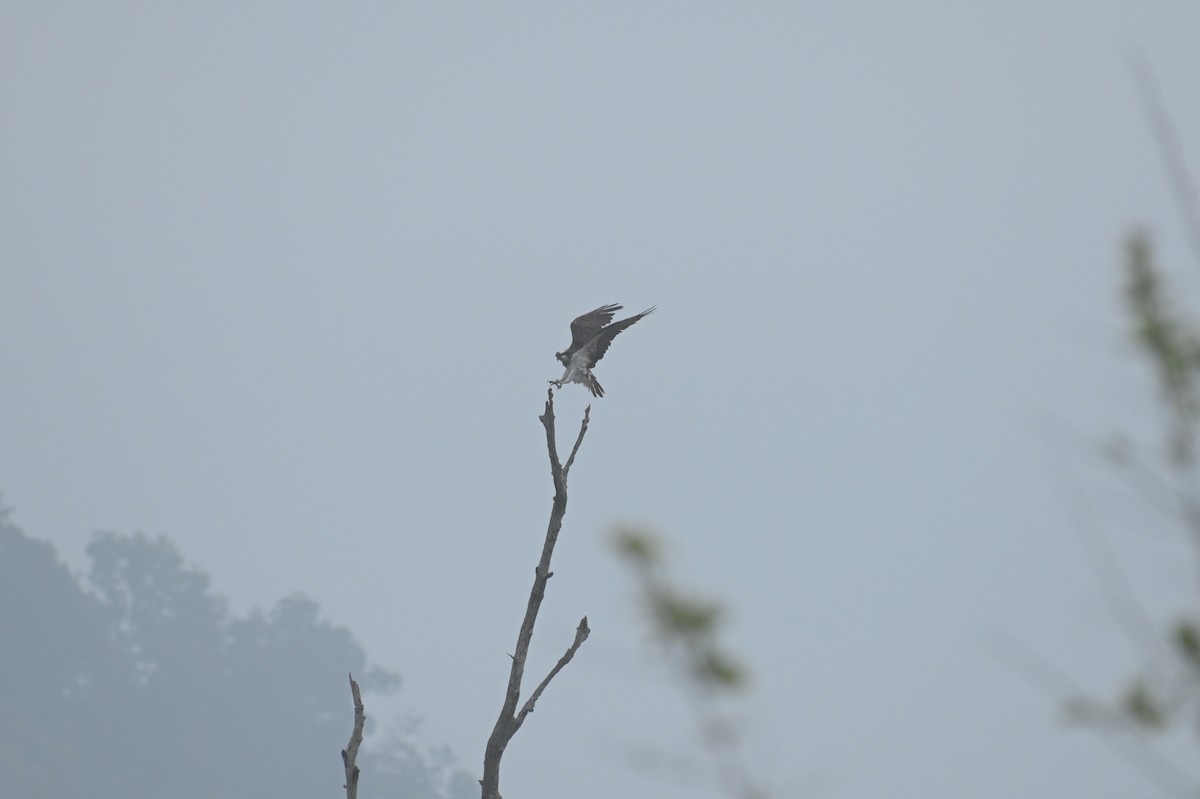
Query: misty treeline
x=135 y=680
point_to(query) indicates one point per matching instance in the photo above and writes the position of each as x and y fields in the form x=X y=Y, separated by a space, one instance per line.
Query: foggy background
x=283 y=282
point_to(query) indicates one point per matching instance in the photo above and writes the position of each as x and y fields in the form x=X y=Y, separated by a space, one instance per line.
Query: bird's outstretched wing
x=599 y=344
x=585 y=327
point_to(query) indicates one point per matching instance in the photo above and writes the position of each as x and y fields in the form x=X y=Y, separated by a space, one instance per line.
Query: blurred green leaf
x=1141 y=707
x=637 y=546
x=684 y=616
x=1187 y=641
x=1169 y=339
x=721 y=669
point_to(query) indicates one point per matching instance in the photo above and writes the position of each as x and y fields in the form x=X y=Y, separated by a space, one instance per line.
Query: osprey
x=590 y=336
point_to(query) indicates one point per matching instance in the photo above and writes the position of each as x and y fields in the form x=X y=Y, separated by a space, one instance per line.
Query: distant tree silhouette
x=50 y=637
x=136 y=681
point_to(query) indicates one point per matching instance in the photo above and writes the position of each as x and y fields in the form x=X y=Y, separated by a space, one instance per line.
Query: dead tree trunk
x=511 y=718
x=350 y=753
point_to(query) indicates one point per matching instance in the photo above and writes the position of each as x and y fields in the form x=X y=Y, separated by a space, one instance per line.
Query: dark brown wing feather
x=585 y=327
x=593 y=385
x=600 y=343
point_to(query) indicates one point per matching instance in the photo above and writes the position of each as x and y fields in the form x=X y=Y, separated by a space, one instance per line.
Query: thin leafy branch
x=1170 y=150
x=688 y=627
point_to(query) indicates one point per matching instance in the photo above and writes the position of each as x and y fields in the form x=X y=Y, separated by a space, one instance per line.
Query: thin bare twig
x=509 y=720
x=1132 y=746
x=587 y=414
x=1152 y=487
x=350 y=753
x=1170 y=151
x=581 y=634
x=1117 y=588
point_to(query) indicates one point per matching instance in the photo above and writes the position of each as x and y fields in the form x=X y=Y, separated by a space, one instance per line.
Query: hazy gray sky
x=283 y=282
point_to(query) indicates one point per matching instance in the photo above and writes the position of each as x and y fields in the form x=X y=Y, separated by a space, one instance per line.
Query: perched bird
x=590 y=336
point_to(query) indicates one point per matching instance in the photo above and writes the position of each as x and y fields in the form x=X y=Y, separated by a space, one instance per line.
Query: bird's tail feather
x=594 y=386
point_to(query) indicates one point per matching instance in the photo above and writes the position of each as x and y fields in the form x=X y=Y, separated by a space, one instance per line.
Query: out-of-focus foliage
x=135 y=680
x=688 y=630
x=1171 y=343
x=687 y=626
x=1165 y=693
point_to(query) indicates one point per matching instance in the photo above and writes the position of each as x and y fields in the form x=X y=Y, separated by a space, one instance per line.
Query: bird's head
x=562 y=358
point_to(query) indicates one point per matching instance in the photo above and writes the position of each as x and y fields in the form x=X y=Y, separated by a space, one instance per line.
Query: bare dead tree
x=511 y=718
x=350 y=753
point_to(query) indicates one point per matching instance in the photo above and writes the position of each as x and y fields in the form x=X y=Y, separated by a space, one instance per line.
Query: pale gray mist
x=284 y=282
